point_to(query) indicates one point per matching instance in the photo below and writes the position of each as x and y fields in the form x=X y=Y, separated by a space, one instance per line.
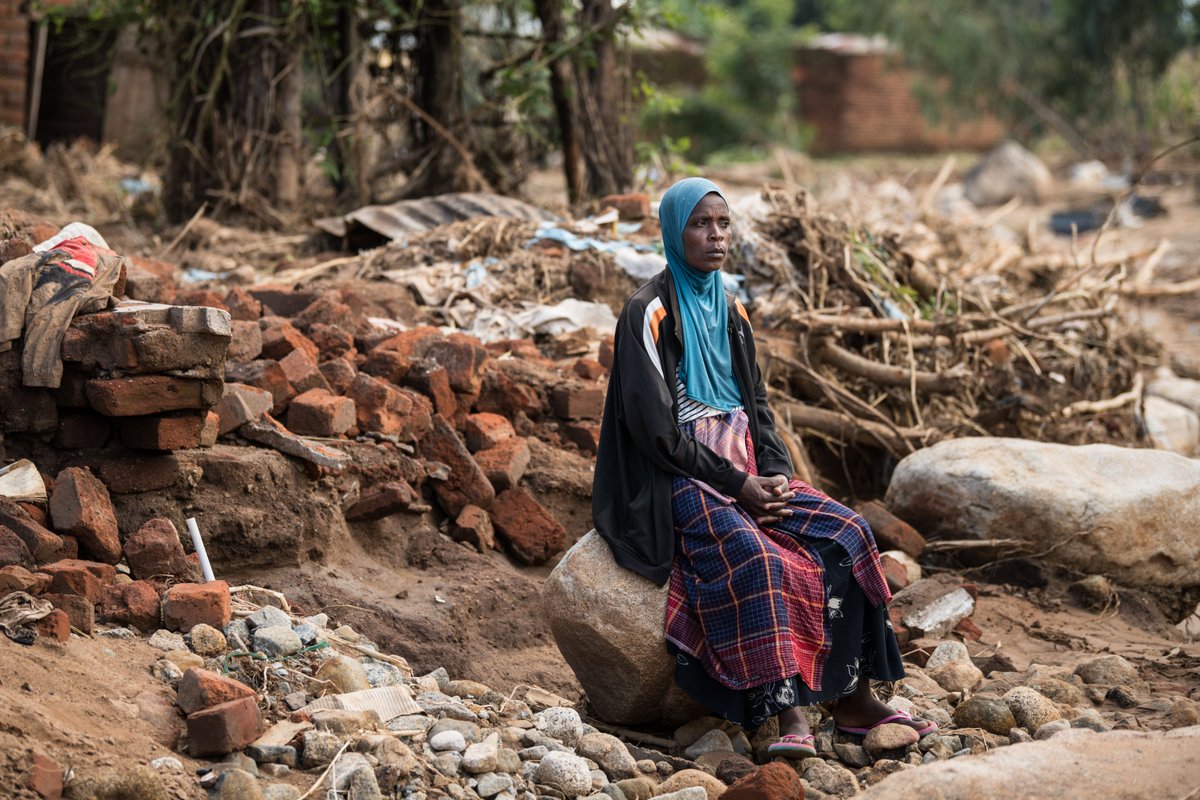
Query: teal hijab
x=707 y=367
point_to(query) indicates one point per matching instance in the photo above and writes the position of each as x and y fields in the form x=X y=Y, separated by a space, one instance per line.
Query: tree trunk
x=609 y=153
x=562 y=90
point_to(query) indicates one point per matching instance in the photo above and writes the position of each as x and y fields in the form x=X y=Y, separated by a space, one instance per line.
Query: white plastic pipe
x=198 y=545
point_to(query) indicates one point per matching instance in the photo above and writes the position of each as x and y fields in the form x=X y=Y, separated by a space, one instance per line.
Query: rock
x=829 y=777
x=235 y=784
x=346 y=674
x=166 y=641
x=563 y=724
x=1171 y=426
x=1095 y=592
x=492 y=784
x=1008 y=171
x=713 y=740
x=1110 y=670
x=166 y=671
x=852 y=755
x=167 y=764
x=354 y=778
x=1071 y=765
x=448 y=740
x=1059 y=691
x=688 y=778
x=309 y=634
x=891 y=736
x=319 y=749
x=608 y=623
x=200 y=689
x=1030 y=709
x=637 y=788
x=340 y=721
x=281 y=791
x=277 y=642
x=568 y=773
x=932 y=607
x=224 y=728
x=948 y=653
x=956 y=676
x=481 y=757
x=140 y=781
x=772 y=781
x=207 y=640
x=469 y=730
x=1051 y=728
x=1130 y=499
x=1182 y=391
x=609 y=753
x=989 y=713
x=269 y=617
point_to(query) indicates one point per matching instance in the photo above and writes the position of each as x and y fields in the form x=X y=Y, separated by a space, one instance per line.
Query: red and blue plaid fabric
x=750 y=602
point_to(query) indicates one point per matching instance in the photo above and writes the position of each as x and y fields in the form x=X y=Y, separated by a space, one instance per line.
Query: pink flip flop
x=791 y=746
x=929 y=727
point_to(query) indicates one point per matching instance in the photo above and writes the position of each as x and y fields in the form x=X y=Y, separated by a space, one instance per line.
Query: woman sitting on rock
x=777 y=599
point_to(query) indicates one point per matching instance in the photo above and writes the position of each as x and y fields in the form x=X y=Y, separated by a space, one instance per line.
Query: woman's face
x=706 y=235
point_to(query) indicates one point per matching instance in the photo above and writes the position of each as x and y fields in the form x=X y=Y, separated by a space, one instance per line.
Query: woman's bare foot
x=863 y=709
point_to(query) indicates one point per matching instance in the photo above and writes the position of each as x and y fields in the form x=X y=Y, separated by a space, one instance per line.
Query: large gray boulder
x=1133 y=515
x=1008 y=171
x=1074 y=765
x=608 y=624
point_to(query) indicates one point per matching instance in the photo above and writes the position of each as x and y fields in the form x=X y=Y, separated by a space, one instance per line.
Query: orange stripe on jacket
x=742 y=310
x=655 y=319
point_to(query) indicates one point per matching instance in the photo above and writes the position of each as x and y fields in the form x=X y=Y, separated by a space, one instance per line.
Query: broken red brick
x=486 y=430
x=224 y=728
x=466 y=484
x=339 y=374
x=388 y=365
x=517 y=348
x=155 y=550
x=200 y=297
x=79 y=610
x=150 y=394
x=186 y=605
x=144 y=473
x=15 y=578
x=282 y=301
x=318 y=412
x=530 y=532
x=894 y=572
x=502 y=395
x=82 y=431
x=81 y=506
x=43 y=545
x=302 y=372
x=72 y=576
x=634 y=206
x=583 y=434
x=163 y=432
x=383 y=501
x=56 y=625
x=332 y=340
x=379 y=406
x=411 y=344
x=474 y=527
x=263 y=374
x=588 y=369
x=280 y=337
x=240 y=404
x=463 y=357
x=134 y=603
x=606 y=354
x=504 y=462
x=577 y=401
x=431 y=379
x=324 y=310
x=242 y=306
x=200 y=689
x=891 y=532
x=13 y=550
x=210 y=430
x=968 y=630
x=246 y=343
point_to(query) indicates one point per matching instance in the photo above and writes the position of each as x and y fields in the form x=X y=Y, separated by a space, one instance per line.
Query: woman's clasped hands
x=765 y=498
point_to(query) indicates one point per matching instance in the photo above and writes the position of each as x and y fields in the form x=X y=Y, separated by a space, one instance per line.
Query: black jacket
x=641 y=446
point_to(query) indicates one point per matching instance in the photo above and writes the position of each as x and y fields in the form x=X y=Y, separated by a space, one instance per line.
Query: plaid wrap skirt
x=758 y=609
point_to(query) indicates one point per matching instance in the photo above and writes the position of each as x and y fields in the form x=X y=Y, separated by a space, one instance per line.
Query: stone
x=150 y=394
x=774 y=781
x=492 y=784
x=383 y=501
x=81 y=506
x=44 y=777
x=302 y=372
x=281 y=791
x=561 y=723
x=268 y=617
x=200 y=689
x=483 y=431
x=956 y=676
x=1182 y=391
x=931 y=607
x=1050 y=729
x=318 y=412
x=186 y=605
x=693 y=778
x=899 y=569
x=1171 y=426
x=1130 y=500
x=1030 y=709
x=224 y=728
x=989 y=713
x=79 y=610
x=280 y=338
x=481 y=756
x=715 y=739
x=207 y=641
x=637 y=788
x=319 y=749
x=269 y=432
x=577 y=401
x=473 y=526
x=531 y=533
x=1109 y=670
x=154 y=549
x=185 y=659
x=135 y=603
x=889 y=737
x=448 y=740
x=852 y=755
x=346 y=674
x=246 y=342
x=466 y=483
x=1006 y=172
x=166 y=641
x=242 y=403
x=166 y=671
x=608 y=623
x=339 y=721
x=568 y=773
x=609 y=753
x=948 y=653
x=276 y=642
x=237 y=784
x=829 y=777
x=469 y=730
x=504 y=463
x=464 y=359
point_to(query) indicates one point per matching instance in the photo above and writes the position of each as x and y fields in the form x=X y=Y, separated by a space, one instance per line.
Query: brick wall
x=864 y=102
x=14 y=62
